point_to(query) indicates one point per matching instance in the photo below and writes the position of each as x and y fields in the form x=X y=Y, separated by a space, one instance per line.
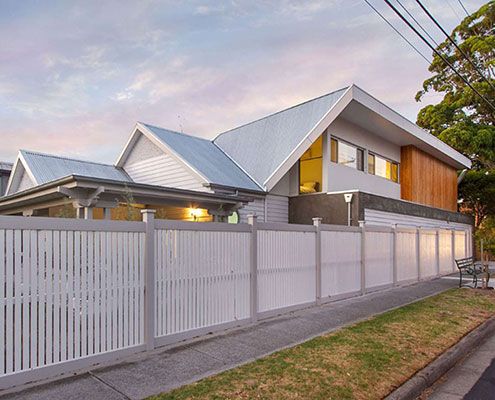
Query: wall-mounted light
x=348 y=200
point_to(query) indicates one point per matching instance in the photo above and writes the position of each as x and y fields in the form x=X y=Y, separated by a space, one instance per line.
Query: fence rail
x=74 y=293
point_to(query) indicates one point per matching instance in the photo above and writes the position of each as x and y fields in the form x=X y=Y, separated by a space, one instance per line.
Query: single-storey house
x=287 y=167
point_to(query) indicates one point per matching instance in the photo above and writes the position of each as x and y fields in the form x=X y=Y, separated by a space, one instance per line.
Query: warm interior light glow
x=196 y=212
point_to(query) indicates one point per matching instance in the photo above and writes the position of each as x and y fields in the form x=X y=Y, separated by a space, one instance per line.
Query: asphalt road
x=471 y=379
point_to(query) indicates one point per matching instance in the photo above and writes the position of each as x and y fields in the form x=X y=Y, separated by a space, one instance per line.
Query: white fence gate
x=75 y=293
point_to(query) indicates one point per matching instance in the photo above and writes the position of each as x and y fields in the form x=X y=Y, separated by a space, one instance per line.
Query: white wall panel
x=256 y=207
x=277 y=209
x=164 y=170
x=67 y=295
x=460 y=244
x=445 y=251
x=428 y=254
x=340 y=263
x=379 y=259
x=286 y=269
x=407 y=263
x=202 y=279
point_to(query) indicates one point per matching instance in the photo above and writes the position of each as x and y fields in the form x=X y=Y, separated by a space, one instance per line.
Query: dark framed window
x=383 y=167
x=346 y=154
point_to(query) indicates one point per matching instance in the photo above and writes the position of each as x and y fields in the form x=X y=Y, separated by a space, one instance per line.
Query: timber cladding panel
x=427 y=180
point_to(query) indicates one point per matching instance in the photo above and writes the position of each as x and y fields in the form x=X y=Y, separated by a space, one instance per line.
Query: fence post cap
x=148 y=211
x=251 y=218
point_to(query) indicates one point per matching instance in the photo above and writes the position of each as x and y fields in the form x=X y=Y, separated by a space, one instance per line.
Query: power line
x=454 y=43
x=417 y=23
x=438 y=53
x=464 y=8
x=398 y=32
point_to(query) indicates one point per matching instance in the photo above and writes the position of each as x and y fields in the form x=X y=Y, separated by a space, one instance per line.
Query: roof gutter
x=78 y=181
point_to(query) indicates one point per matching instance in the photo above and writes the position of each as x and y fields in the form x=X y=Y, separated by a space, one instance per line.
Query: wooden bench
x=468 y=266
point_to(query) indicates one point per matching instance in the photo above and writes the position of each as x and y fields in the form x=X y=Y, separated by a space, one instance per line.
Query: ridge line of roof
x=66 y=158
x=280 y=111
x=178 y=133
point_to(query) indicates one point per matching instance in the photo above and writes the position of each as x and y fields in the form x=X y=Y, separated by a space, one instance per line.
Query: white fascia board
x=308 y=140
x=27 y=168
x=402 y=122
x=128 y=147
x=150 y=135
x=20 y=162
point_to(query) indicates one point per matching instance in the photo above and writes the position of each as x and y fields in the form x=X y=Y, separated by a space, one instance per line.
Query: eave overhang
x=116 y=191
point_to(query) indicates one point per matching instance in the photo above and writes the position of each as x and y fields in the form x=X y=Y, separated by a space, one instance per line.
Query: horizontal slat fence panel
x=54 y=288
x=202 y=279
x=428 y=254
x=340 y=263
x=406 y=255
x=379 y=259
x=445 y=251
x=286 y=269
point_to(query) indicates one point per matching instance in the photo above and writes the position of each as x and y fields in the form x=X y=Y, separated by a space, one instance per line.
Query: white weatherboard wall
x=148 y=164
x=277 y=209
x=383 y=218
x=256 y=207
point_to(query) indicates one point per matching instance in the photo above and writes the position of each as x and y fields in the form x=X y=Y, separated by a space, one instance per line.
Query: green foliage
x=478 y=193
x=462 y=119
x=487 y=233
x=132 y=213
x=66 y=211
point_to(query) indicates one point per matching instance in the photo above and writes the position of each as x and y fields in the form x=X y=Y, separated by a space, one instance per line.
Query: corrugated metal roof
x=5 y=166
x=260 y=147
x=205 y=157
x=47 y=168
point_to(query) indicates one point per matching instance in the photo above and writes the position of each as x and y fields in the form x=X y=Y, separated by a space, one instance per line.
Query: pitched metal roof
x=5 y=166
x=260 y=147
x=46 y=168
x=205 y=158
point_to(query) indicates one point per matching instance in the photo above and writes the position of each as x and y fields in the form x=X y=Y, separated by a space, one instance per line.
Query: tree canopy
x=463 y=119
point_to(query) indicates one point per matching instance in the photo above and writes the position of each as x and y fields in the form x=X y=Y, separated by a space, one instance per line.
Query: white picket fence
x=76 y=293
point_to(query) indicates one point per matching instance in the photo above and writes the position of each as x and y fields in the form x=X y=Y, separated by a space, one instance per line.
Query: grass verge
x=363 y=361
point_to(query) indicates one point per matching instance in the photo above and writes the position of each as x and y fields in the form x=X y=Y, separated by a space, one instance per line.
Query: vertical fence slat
x=2 y=301
x=26 y=287
x=56 y=298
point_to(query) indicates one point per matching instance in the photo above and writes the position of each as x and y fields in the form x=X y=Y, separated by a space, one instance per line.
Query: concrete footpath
x=471 y=379
x=165 y=369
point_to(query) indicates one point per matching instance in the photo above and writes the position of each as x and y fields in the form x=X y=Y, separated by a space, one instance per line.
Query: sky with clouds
x=76 y=75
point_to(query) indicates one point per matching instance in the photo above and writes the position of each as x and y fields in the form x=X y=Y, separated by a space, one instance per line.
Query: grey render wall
x=333 y=209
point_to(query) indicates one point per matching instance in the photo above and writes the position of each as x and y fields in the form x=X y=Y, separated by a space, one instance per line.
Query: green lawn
x=363 y=361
